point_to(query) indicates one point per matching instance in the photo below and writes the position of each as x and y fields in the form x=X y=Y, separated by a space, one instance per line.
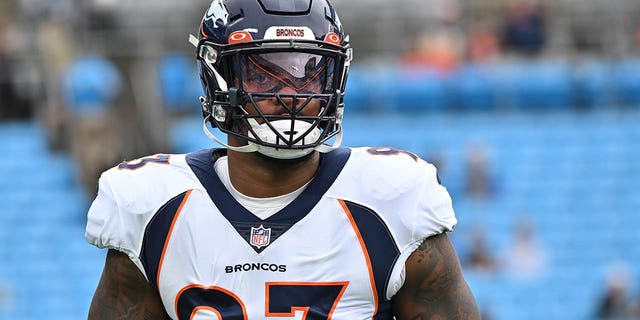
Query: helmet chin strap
x=247 y=148
x=266 y=133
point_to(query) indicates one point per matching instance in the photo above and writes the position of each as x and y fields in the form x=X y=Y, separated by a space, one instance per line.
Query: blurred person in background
x=480 y=182
x=282 y=220
x=638 y=36
x=13 y=104
x=54 y=42
x=524 y=30
x=615 y=301
x=525 y=259
x=440 y=46
x=480 y=258
x=438 y=50
x=483 y=42
x=91 y=87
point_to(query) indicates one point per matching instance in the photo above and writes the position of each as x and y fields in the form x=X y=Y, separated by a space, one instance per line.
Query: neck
x=256 y=175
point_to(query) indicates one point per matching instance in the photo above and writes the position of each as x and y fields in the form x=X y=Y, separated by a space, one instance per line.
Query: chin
x=274 y=162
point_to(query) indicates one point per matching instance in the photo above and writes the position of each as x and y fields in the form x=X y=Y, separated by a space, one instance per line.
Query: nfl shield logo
x=260 y=237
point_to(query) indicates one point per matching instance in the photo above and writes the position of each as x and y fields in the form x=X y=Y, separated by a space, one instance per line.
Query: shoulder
x=144 y=176
x=389 y=158
x=128 y=196
x=145 y=167
x=402 y=188
x=389 y=170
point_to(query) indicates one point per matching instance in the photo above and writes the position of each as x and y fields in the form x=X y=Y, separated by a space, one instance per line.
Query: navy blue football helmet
x=274 y=74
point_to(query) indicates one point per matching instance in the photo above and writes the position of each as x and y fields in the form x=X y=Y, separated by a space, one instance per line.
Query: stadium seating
x=412 y=89
x=594 y=84
x=90 y=84
x=573 y=174
x=48 y=271
x=627 y=80
x=473 y=88
x=179 y=84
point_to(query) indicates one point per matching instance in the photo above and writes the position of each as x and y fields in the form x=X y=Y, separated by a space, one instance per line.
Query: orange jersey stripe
x=166 y=242
x=366 y=255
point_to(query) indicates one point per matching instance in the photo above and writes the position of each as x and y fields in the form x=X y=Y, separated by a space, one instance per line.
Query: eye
x=259 y=78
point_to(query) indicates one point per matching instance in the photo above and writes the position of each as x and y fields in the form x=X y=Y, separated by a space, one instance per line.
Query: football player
x=282 y=222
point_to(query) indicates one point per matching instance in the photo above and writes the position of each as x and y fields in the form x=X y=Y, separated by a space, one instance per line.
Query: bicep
x=434 y=286
x=124 y=293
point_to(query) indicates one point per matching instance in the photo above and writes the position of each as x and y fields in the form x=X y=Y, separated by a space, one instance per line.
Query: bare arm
x=124 y=293
x=434 y=287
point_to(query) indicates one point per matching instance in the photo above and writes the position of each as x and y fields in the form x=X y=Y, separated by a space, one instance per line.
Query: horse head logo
x=218 y=13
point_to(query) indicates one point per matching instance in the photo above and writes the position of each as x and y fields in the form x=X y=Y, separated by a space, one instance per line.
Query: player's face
x=286 y=74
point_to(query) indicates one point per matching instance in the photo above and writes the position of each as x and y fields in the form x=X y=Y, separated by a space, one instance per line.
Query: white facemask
x=264 y=132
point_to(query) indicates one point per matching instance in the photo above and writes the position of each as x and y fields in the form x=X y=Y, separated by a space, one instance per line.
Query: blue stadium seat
x=91 y=83
x=421 y=89
x=594 y=84
x=627 y=81
x=42 y=219
x=539 y=85
x=473 y=88
x=359 y=93
x=179 y=84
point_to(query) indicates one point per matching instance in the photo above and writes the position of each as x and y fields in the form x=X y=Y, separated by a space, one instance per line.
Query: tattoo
x=435 y=288
x=124 y=293
x=149 y=315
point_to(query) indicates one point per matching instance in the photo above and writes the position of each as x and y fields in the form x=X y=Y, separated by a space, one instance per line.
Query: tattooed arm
x=434 y=287
x=124 y=294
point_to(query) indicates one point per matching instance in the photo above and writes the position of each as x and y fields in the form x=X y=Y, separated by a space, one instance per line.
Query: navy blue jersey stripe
x=381 y=248
x=202 y=163
x=157 y=234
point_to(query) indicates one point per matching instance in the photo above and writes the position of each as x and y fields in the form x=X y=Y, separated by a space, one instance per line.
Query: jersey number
x=384 y=151
x=317 y=300
x=139 y=163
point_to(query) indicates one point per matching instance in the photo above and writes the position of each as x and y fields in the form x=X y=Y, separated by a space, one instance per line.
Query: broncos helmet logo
x=218 y=13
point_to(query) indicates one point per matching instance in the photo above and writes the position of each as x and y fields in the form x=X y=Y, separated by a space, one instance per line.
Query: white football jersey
x=335 y=252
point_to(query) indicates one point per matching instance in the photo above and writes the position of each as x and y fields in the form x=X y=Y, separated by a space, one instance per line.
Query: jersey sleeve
x=102 y=220
x=433 y=213
x=430 y=214
x=403 y=188
x=405 y=192
x=125 y=203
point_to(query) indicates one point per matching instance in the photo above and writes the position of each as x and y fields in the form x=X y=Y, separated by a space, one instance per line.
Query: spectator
x=524 y=27
x=480 y=257
x=638 y=36
x=91 y=86
x=479 y=182
x=634 y=309
x=6 y=296
x=483 y=42
x=54 y=39
x=525 y=258
x=439 y=50
x=13 y=104
x=615 y=302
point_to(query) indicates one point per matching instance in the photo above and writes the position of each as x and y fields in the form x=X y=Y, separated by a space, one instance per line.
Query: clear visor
x=300 y=71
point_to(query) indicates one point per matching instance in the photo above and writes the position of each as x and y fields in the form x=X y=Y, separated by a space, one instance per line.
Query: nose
x=286 y=95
